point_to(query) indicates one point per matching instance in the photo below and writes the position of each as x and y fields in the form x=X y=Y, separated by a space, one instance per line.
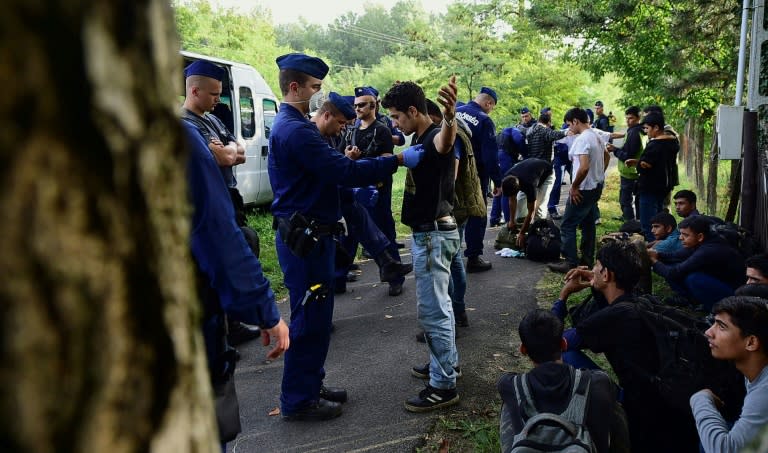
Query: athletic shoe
x=431 y=398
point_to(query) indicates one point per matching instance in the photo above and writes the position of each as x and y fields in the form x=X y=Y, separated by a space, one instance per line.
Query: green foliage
x=225 y=33
x=674 y=53
x=352 y=39
x=261 y=221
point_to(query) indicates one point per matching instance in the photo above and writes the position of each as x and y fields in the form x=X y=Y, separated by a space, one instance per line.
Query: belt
x=447 y=224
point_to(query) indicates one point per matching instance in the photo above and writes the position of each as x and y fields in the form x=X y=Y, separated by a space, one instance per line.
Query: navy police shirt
x=305 y=171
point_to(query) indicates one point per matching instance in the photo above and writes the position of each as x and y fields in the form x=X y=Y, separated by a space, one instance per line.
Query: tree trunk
x=713 y=163
x=686 y=146
x=101 y=348
x=698 y=151
x=734 y=191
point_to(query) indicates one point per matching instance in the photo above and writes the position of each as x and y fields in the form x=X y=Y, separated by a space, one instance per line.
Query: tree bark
x=734 y=191
x=101 y=348
x=712 y=164
x=686 y=145
x=698 y=152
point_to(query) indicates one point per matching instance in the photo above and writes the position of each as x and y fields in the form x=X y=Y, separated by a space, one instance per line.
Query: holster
x=297 y=234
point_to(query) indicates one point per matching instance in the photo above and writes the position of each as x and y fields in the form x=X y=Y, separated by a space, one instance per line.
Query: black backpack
x=737 y=237
x=543 y=243
x=686 y=364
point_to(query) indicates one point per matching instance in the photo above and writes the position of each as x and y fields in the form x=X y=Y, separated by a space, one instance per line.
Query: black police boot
x=240 y=333
x=477 y=264
x=318 y=411
x=334 y=394
x=390 y=269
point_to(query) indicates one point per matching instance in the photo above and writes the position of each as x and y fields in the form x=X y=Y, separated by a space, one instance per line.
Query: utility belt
x=301 y=234
x=441 y=224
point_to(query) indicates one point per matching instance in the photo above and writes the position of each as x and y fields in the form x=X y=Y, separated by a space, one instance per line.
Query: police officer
x=305 y=173
x=230 y=278
x=475 y=114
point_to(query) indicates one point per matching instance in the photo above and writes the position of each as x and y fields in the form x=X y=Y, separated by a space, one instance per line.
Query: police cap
x=204 y=68
x=490 y=92
x=366 y=91
x=342 y=104
x=306 y=64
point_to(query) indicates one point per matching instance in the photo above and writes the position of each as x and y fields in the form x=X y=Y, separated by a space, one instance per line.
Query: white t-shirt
x=589 y=143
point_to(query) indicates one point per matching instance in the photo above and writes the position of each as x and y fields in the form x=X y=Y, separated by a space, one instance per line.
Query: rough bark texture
x=734 y=191
x=101 y=350
x=712 y=165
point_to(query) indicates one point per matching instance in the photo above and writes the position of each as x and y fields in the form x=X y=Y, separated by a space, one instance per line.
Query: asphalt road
x=371 y=353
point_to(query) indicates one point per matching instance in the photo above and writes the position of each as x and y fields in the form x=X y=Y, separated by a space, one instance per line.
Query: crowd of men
x=332 y=157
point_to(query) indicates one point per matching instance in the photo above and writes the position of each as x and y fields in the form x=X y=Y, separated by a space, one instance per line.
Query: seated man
x=739 y=335
x=757 y=269
x=552 y=384
x=685 y=203
x=664 y=229
x=616 y=328
x=533 y=177
x=706 y=269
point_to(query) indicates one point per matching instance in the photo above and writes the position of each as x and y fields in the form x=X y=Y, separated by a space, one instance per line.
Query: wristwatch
x=450 y=122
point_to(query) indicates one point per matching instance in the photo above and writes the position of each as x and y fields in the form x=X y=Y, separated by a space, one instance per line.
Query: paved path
x=371 y=353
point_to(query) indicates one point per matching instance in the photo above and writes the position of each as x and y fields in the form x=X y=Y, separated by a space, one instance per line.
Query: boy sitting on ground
x=739 y=334
x=552 y=384
x=706 y=270
x=664 y=229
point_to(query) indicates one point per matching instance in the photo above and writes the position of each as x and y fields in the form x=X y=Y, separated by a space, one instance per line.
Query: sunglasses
x=363 y=105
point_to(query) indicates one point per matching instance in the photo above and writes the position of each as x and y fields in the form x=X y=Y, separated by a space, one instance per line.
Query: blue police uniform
x=230 y=278
x=484 y=146
x=507 y=158
x=305 y=173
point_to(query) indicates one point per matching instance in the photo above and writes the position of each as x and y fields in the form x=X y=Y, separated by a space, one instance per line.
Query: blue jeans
x=557 y=165
x=650 y=205
x=702 y=288
x=583 y=214
x=499 y=204
x=457 y=287
x=630 y=204
x=432 y=254
x=475 y=227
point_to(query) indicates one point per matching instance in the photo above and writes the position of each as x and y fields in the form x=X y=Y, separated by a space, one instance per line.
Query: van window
x=247 y=122
x=270 y=112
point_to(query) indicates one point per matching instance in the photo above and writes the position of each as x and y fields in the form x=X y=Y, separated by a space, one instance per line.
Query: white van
x=248 y=108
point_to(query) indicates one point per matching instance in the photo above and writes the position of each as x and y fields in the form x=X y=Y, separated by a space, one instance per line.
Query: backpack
x=543 y=242
x=548 y=432
x=736 y=236
x=469 y=200
x=686 y=364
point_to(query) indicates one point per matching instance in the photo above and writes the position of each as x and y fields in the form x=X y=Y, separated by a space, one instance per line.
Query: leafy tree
x=679 y=54
x=226 y=33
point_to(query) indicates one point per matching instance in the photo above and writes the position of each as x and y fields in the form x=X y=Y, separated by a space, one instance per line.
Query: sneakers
x=562 y=267
x=461 y=319
x=318 y=411
x=555 y=216
x=477 y=264
x=422 y=372
x=431 y=398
